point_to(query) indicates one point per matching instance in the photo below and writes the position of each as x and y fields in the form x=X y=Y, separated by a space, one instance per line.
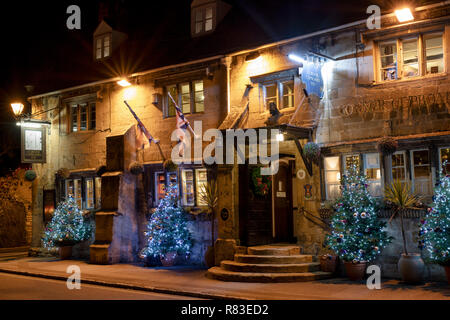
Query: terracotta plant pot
x=355 y=271
x=169 y=259
x=329 y=263
x=411 y=268
x=65 y=252
x=447 y=271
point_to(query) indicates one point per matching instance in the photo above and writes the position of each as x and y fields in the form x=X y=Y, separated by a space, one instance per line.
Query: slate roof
x=161 y=38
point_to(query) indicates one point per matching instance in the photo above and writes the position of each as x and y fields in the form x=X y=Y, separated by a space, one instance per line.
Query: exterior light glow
x=17 y=108
x=124 y=83
x=280 y=137
x=404 y=15
x=296 y=58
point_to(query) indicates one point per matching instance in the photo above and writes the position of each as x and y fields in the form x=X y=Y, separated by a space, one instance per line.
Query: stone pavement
x=192 y=282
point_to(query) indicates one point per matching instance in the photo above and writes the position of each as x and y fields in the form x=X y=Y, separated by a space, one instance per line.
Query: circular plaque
x=224 y=214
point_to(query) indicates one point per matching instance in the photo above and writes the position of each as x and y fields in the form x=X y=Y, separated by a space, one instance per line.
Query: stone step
x=225 y=275
x=262 y=259
x=269 y=268
x=274 y=250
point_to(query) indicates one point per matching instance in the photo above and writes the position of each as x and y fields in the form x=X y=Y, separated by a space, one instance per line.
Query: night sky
x=39 y=50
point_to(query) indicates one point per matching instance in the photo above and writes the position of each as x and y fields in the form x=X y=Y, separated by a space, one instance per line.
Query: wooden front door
x=282 y=195
x=255 y=210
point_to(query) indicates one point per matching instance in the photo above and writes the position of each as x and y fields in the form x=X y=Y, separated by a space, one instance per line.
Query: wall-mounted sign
x=308 y=192
x=33 y=142
x=301 y=174
x=312 y=78
x=427 y=103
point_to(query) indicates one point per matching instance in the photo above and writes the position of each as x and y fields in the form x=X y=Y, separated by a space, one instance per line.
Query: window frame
x=102 y=38
x=440 y=158
x=91 y=116
x=405 y=165
x=279 y=85
x=202 y=21
x=399 y=54
x=338 y=170
x=82 y=182
x=179 y=98
x=430 y=176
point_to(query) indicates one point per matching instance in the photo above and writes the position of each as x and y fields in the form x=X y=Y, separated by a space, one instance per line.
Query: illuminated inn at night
x=362 y=85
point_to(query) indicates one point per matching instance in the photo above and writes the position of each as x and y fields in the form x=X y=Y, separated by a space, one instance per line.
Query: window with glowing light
x=332 y=177
x=204 y=20
x=188 y=95
x=411 y=57
x=162 y=181
x=373 y=173
x=399 y=166
x=82 y=116
x=193 y=182
x=444 y=160
x=102 y=46
x=86 y=190
x=421 y=172
x=279 y=92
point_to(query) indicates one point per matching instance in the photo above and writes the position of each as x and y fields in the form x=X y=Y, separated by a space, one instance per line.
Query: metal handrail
x=314 y=219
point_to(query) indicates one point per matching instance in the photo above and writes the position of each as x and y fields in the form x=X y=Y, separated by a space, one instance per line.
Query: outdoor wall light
x=280 y=137
x=252 y=56
x=404 y=15
x=33 y=124
x=17 y=108
x=124 y=83
x=296 y=58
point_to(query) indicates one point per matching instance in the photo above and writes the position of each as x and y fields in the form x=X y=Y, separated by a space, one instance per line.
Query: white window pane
x=99 y=43
x=89 y=193
x=208 y=25
x=421 y=171
x=331 y=163
x=201 y=179
x=410 y=58
x=198 y=27
x=199 y=15
x=187 y=180
x=434 y=52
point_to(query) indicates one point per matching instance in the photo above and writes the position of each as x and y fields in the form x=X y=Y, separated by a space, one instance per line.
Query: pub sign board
x=33 y=142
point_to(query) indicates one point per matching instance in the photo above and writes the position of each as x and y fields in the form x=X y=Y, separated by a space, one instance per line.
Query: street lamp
x=17 y=108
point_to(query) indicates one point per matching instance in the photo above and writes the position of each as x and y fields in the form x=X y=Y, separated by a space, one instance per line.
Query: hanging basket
x=387 y=145
x=30 y=175
x=170 y=166
x=311 y=150
x=136 y=168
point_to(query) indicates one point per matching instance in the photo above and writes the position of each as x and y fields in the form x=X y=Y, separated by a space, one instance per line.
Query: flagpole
x=189 y=125
x=144 y=129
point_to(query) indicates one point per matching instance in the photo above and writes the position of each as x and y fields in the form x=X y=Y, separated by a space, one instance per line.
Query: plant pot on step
x=447 y=272
x=355 y=271
x=65 y=252
x=168 y=259
x=411 y=267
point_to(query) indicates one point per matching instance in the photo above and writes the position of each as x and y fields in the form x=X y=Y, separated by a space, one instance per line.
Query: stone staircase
x=269 y=263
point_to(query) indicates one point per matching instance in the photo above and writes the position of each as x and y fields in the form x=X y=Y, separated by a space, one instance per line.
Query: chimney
x=103 y=11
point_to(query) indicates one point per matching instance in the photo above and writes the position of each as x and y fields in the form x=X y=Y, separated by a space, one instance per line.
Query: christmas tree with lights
x=434 y=233
x=167 y=230
x=357 y=235
x=67 y=227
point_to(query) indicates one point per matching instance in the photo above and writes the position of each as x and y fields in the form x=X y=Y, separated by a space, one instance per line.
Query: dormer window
x=103 y=46
x=203 y=20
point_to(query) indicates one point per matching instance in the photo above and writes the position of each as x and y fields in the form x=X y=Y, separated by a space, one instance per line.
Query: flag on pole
x=182 y=125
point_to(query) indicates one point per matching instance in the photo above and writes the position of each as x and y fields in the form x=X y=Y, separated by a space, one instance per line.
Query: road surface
x=16 y=287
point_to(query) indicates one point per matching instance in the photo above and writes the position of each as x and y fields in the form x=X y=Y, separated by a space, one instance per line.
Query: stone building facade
x=391 y=81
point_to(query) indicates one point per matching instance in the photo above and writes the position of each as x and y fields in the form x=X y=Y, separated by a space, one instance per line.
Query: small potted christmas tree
x=434 y=234
x=167 y=232
x=357 y=235
x=67 y=228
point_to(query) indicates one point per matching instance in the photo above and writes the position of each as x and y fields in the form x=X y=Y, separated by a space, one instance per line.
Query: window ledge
x=438 y=76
